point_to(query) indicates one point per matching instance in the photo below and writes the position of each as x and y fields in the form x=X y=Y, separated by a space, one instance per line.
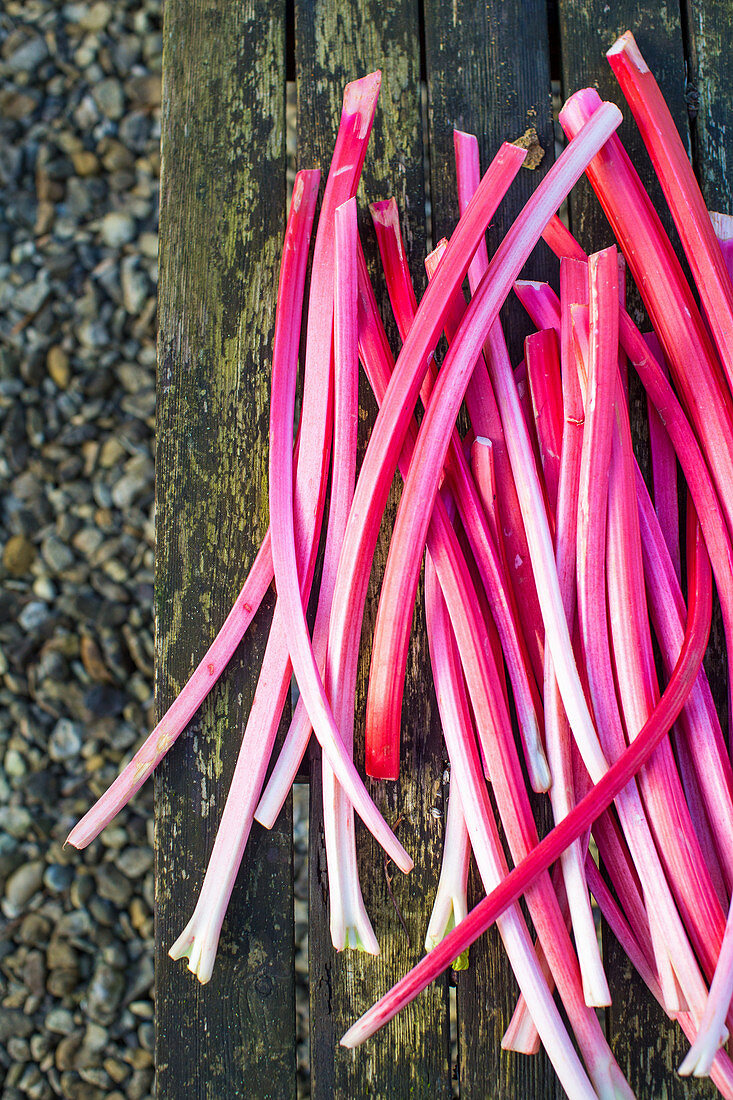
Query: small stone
x=60 y=955
x=117 y=229
x=57 y=555
x=14 y=1023
x=110 y=98
x=28 y=56
x=57 y=364
x=59 y=1021
x=91 y=658
x=85 y=163
x=34 y=929
x=134 y=283
x=57 y=878
x=144 y=90
x=23 y=884
x=105 y=992
x=96 y=17
x=66 y=1052
x=15 y=766
x=105 y=701
x=113 y=886
x=135 y=862
x=65 y=741
x=118 y=1071
x=18 y=555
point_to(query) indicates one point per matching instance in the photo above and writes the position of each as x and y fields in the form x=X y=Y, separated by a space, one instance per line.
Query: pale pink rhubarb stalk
x=385 y=444
x=681 y=191
x=350 y=925
x=185 y=705
x=200 y=937
x=712 y=1032
x=666 y=295
x=312 y=462
x=450 y=906
x=456 y=720
x=484 y=415
x=198 y=942
x=570 y=828
x=723 y=229
x=463 y=606
x=664 y=470
x=400 y=580
x=602 y=368
x=472 y=515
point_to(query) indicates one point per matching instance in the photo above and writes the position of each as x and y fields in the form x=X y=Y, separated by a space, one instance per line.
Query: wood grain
x=410 y=1058
x=222 y=218
x=710 y=97
x=488 y=73
x=647 y=1046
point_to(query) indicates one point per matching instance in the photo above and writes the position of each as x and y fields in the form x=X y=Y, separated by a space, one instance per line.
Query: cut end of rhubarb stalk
x=723 y=225
x=579 y=107
x=198 y=950
x=627 y=44
x=360 y=96
x=699 y=1059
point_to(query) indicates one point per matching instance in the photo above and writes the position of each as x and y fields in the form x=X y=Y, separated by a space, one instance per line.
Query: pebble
x=57 y=364
x=117 y=229
x=18 y=555
x=23 y=884
x=66 y=740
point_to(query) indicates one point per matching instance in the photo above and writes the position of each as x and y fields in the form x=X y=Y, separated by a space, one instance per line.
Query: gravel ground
x=79 y=164
x=79 y=103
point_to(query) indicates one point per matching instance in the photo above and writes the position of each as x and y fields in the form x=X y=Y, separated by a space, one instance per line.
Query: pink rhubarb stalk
x=385 y=445
x=198 y=942
x=570 y=828
x=666 y=294
x=350 y=925
x=457 y=726
x=400 y=581
x=484 y=415
x=185 y=705
x=545 y=387
x=681 y=191
x=312 y=463
x=200 y=937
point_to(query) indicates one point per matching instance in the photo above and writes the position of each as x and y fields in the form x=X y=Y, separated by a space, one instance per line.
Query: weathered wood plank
x=710 y=65
x=222 y=218
x=488 y=72
x=411 y=1057
x=647 y=1046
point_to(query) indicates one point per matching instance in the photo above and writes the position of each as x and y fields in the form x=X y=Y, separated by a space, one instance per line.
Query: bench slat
x=410 y=1058
x=709 y=74
x=648 y=1047
x=488 y=73
x=222 y=219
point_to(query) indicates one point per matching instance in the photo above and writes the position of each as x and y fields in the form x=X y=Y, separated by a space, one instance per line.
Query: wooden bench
x=487 y=69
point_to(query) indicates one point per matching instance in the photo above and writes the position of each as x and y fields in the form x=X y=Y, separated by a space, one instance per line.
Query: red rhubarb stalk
x=386 y=442
x=484 y=415
x=570 y=828
x=400 y=581
x=198 y=942
x=681 y=190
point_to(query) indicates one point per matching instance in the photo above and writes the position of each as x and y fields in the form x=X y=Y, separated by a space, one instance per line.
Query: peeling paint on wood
x=222 y=218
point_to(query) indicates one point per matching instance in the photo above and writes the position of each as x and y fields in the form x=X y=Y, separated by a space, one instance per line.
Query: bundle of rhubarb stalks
x=553 y=581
